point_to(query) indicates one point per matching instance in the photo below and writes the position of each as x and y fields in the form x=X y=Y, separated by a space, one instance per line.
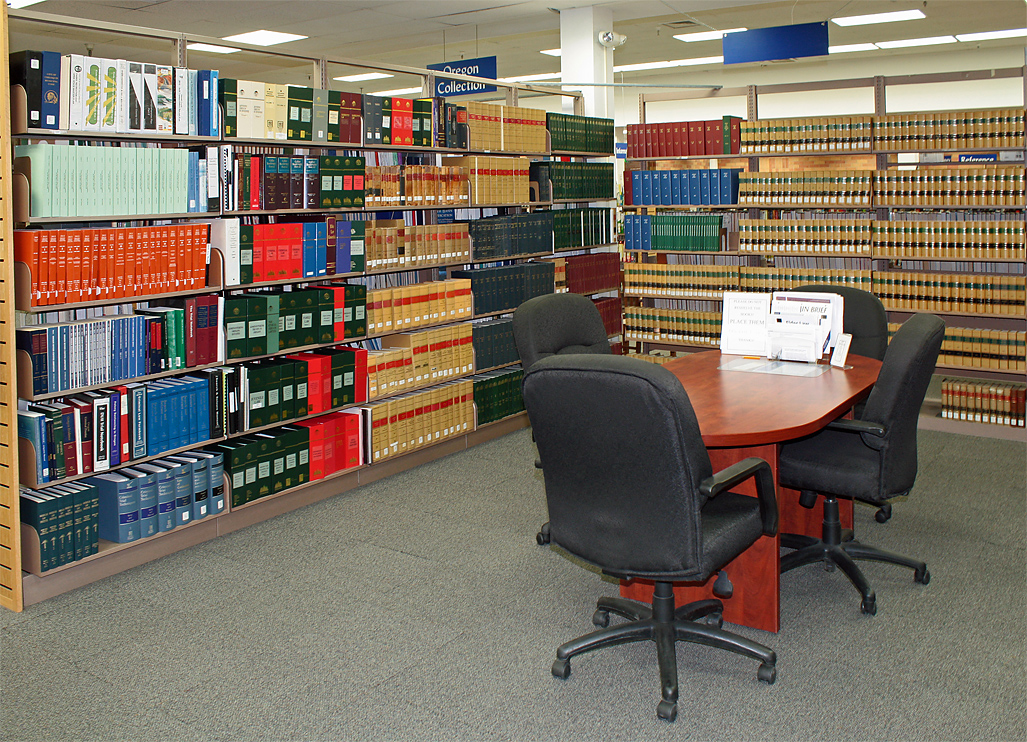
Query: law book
x=183 y=484
x=40 y=513
x=146 y=482
x=199 y=476
x=165 y=481
x=54 y=436
x=215 y=480
x=32 y=428
x=119 y=507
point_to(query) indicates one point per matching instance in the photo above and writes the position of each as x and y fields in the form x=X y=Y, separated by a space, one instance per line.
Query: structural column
x=585 y=60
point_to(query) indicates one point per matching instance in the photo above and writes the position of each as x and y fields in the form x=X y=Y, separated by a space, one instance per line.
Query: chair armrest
x=857 y=426
x=739 y=472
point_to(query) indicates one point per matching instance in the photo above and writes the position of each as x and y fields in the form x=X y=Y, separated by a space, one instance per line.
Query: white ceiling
x=420 y=32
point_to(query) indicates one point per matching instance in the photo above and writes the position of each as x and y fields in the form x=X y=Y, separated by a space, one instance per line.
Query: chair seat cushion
x=832 y=462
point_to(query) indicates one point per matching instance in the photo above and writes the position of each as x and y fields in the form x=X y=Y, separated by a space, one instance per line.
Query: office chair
x=631 y=490
x=866 y=319
x=557 y=324
x=872 y=458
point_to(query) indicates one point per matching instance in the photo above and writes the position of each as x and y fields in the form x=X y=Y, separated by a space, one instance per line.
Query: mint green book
x=42 y=177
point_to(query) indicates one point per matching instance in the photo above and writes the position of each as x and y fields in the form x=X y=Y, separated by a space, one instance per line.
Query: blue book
x=629 y=231
x=200 y=482
x=119 y=507
x=65 y=370
x=693 y=187
x=136 y=421
x=215 y=480
x=704 y=187
x=729 y=186
x=676 y=179
x=647 y=232
x=165 y=479
x=666 y=195
x=636 y=187
x=115 y=427
x=203 y=96
x=32 y=427
x=183 y=478
x=148 y=503
x=54 y=359
x=647 y=188
x=192 y=192
x=309 y=249
x=50 y=106
x=343 y=242
x=321 y=246
x=715 y=186
x=215 y=112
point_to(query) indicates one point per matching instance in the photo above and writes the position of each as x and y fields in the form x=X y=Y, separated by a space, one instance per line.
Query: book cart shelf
x=19 y=588
x=904 y=226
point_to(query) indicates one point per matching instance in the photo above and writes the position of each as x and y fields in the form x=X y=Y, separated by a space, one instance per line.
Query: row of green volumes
x=686 y=232
x=265 y=463
x=254 y=253
x=511 y=235
x=571 y=133
x=159 y=495
x=582 y=227
x=70 y=180
x=497 y=394
x=65 y=521
x=493 y=343
x=578 y=180
x=82 y=93
x=508 y=286
x=264 y=322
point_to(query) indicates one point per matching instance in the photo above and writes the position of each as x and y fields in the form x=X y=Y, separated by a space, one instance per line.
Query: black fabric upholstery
x=864 y=318
x=864 y=466
x=623 y=460
x=556 y=324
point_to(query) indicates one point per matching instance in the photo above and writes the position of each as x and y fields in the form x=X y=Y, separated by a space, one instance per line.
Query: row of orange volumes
x=406 y=423
x=415 y=185
x=973 y=347
x=679 y=281
x=389 y=243
x=408 y=307
x=996 y=403
x=75 y=265
x=985 y=293
x=411 y=360
x=764 y=280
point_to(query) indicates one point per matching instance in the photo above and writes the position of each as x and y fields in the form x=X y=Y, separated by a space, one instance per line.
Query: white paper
x=744 y=323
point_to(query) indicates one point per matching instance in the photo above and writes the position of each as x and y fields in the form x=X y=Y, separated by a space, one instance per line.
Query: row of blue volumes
x=160 y=495
x=105 y=350
x=95 y=431
x=74 y=92
x=65 y=521
x=714 y=187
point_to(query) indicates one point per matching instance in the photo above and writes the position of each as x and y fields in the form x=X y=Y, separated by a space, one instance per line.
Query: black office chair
x=557 y=324
x=872 y=458
x=631 y=490
x=866 y=319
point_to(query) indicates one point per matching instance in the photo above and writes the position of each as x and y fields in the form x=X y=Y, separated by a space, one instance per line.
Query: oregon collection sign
x=481 y=67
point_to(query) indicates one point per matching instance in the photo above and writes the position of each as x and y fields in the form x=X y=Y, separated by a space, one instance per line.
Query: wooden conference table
x=745 y=414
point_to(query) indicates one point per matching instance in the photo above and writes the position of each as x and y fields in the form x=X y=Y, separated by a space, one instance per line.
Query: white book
x=92 y=100
x=122 y=100
x=181 y=101
x=224 y=235
x=193 y=101
x=165 y=99
x=109 y=97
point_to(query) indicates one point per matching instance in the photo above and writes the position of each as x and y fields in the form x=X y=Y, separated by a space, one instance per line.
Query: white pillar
x=584 y=60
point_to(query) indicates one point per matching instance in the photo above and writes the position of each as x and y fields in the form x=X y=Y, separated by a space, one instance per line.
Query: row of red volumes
x=610 y=310
x=683 y=138
x=594 y=272
x=335 y=443
x=75 y=265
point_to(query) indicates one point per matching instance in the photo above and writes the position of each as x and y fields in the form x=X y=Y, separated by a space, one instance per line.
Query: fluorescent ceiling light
x=706 y=35
x=551 y=52
x=21 y=3
x=212 y=48
x=851 y=48
x=926 y=41
x=363 y=77
x=1009 y=33
x=529 y=78
x=263 y=38
x=667 y=63
x=397 y=91
x=865 y=20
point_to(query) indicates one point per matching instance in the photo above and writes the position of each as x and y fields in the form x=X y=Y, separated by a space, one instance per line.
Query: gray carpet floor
x=420 y=608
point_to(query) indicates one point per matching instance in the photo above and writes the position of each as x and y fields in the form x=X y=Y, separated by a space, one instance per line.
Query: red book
x=84 y=432
x=714 y=137
x=259 y=231
x=294 y=238
x=679 y=139
x=359 y=375
x=284 y=250
x=317 y=451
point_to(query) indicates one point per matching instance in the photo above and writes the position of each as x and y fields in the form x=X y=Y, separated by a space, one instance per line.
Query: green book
x=227 y=97
x=288 y=315
x=274 y=449
x=287 y=389
x=308 y=317
x=356 y=248
x=245 y=247
x=235 y=327
x=296 y=441
x=326 y=315
x=258 y=396
x=356 y=310
x=300 y=377
x=334 y=113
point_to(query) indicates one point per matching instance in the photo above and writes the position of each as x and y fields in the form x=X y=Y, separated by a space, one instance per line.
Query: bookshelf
x=392 y=272
x=925 y=209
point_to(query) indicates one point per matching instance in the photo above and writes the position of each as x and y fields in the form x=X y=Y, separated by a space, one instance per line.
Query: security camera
x=611 y=39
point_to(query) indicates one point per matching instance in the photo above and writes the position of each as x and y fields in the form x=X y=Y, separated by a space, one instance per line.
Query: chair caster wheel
x=869 y=606
x=601 y=618
x=922 y=577
x=829 y=566
x=562 y=669
x=883 y=514
x=542 y=538
x=716 y=620
x=667 y=710
x=767 y=674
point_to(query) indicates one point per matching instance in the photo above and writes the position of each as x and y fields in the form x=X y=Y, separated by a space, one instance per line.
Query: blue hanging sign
x=481 y=67
x=778 y=42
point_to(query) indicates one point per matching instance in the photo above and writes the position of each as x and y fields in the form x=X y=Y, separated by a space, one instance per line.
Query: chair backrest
x=622 y=458
x=864 y=318
x=898 y=394
x=556 y=324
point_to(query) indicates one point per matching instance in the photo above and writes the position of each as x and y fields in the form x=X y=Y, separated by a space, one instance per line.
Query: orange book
x=59 y=269
x=105 y=247
x=131 y=263
x=117 y=238
x=200 y=234
x=45 y=238
x=294 y=234
x=74 y=257
x=168 y=264
x=26 y=250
